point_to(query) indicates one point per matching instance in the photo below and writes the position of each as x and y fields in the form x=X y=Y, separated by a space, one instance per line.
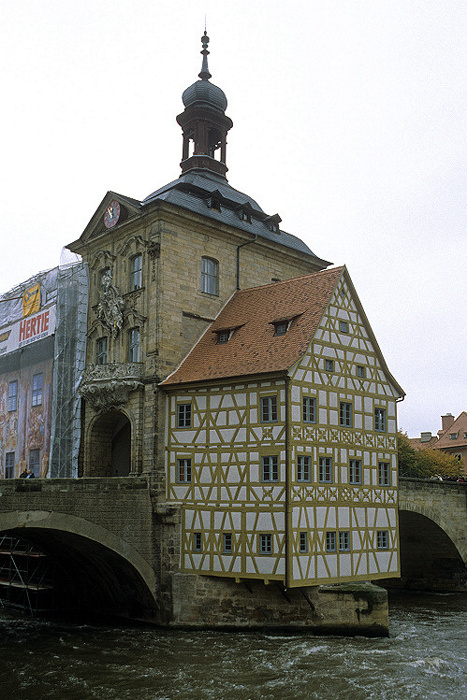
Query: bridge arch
x=104 y=573
x=433 y=545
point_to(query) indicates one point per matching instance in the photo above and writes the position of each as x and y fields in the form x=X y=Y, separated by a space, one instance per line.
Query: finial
x=205 y=74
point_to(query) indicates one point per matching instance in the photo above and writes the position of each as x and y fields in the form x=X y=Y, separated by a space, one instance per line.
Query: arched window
x=209 y=276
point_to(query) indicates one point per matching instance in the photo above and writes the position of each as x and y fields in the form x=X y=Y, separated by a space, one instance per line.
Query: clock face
x=112 y=214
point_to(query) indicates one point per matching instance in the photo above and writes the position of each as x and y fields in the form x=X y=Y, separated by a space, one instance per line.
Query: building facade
x=282 y=440
x=160 y=271
x=42 y=353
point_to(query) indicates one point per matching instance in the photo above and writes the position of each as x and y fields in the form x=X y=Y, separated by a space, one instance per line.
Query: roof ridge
x=321 y=273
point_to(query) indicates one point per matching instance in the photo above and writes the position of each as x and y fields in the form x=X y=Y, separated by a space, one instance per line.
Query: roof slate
x=253 y=348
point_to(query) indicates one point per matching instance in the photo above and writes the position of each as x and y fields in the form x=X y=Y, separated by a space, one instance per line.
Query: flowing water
x=425 y=657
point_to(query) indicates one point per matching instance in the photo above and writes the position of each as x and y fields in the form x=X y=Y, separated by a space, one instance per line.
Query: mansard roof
x=254 y=347
x=193 y=190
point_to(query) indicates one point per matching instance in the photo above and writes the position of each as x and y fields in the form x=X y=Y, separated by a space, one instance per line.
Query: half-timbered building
x=281 y=444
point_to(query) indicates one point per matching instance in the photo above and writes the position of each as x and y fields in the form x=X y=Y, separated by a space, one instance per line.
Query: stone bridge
x=433 y=532
x=116 y=549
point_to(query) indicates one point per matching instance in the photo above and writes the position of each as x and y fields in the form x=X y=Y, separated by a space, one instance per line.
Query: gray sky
x=349 y=121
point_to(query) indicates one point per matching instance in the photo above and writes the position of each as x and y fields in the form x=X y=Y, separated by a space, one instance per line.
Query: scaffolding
x=69 y=363
x=26 y=576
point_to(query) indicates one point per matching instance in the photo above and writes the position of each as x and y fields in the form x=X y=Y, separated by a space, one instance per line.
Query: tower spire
x=204 y=122
x=205 y=74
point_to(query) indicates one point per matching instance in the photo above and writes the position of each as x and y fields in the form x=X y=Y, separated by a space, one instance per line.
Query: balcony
x=107 y=387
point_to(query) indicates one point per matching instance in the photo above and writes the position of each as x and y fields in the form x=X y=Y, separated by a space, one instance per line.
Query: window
x=465 y=436
x=184 y=415
x=37 y=381
x=344 y=541
x=184 y=470
x=227 y=542
x=325 y=470
x=329 y=365
x=245 y=215
x=13 y=396
x=101 y=351
x=345 y=414
x=303 y=468
x=223 y=337
x=355 y=471
x=136 y=272
x=281 y=327
x=209 y=276
x=343 y=326
x=303 y=542
x=197 y=541
x=453 y=436
x=382 y=539
x=268 y=409
x=361 y=371
x=309 y=409
x=10 y=465
x=34 y=462
x=265 y=544
x=133 y=345
x=330 y=542
x=270 y=468
x=380 y=419
x=384 y=475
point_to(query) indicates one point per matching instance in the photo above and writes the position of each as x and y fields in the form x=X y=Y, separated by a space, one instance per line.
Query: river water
x=425 y=657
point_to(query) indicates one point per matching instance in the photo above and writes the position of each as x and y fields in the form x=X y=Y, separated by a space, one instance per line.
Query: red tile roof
x=459 y=427
x=253 y=348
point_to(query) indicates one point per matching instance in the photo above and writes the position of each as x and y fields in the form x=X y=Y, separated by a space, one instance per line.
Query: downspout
x=238 y=258
x=287 y=482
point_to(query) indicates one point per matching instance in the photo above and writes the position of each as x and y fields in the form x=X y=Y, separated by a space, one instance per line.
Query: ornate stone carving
x=110 y=307
x=107 y=387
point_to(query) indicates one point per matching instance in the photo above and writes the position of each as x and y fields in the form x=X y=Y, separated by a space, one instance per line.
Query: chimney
x=447 y=421
x=425 y=437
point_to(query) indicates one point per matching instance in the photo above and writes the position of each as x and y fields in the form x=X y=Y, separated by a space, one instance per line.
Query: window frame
x=184 y=470
x=331 y=541
x=102 y=352
x=345 y=414
x=328 y=365
x=184 y=414
x=37 y=389
x=382 y=539
x=134 y=344
x=360 y=371
x=380 y=422
x=268 y=409
x=343 y=326
x=355 y=471
x=12 y=396
x=325 y=470
x=34 y=461
x=136 y=273
x=303 y=468
x=209 y=276
x=303 y=542
x=9 y=465
x=227 y=543
x=384 y=474
x=265 y=545
x=309 y=409
x=197 y=542
x=344 y=540
x=269 y=469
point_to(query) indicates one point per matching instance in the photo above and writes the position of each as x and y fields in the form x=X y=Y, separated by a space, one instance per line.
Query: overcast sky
x=349 y=121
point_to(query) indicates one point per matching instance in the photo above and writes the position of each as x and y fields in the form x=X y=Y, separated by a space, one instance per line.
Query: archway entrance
x=110 y=446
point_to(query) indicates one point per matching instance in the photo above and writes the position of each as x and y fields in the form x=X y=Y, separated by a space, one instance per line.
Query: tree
x=423 y=464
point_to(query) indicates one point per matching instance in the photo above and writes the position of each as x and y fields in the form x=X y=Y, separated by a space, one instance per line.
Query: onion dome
x=203 y=91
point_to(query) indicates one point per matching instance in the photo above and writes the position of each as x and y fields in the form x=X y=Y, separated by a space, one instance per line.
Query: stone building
x=160 y=271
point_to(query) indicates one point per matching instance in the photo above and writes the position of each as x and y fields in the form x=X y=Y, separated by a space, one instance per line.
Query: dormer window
x=214 y=202
x=273 y=227
x=453 y=436
x=281 y=327
x=245 y=216
x=272 y=222
x=223 y=336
